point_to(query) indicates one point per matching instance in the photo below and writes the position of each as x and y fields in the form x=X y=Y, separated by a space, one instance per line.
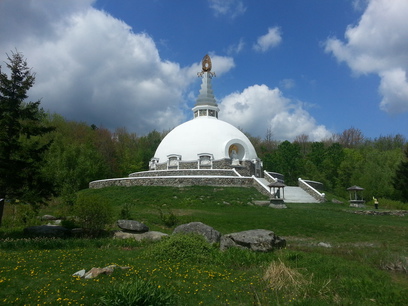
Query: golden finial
x=206 y=66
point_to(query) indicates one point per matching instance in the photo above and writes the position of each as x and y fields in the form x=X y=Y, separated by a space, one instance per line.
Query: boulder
x=132 y=226
x=47 y=231
x=95 y=272
x=324 y=245
x=48 y=218
x=152 y=235
x=80 y=273
x=210 y=234
x=258 y=240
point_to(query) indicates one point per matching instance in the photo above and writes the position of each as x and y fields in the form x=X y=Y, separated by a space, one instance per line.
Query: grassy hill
x=365 y=265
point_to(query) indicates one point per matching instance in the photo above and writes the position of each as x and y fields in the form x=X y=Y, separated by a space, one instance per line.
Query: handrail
x=320 y=196
x=257 y=180
x=267 y=175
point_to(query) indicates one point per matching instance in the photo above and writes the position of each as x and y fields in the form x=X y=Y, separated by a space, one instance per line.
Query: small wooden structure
x=356 y=198
x=277 y=197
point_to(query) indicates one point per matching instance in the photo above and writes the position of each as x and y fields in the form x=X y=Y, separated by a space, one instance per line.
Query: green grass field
x=366 y=264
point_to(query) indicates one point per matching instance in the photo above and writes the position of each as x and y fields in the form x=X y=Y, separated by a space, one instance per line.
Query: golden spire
x=206 y=66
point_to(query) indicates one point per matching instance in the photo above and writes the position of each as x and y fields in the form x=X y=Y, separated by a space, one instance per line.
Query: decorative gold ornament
x=206 y=66
x=206 y=63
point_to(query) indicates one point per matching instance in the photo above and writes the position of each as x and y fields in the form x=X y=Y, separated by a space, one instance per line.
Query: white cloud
x=236 y=48
x=258 y=108
x=231 y=8
x=379 y=44
x=268 y=41
x=394 y=89
x=91 y=67
x=287 y=83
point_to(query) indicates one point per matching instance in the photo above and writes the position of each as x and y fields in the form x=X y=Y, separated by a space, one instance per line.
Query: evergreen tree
x=400 y=180
x=21 y=143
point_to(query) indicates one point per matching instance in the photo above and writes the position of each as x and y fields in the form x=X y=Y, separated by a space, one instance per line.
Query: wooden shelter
x=356 y=197
x=276 y=195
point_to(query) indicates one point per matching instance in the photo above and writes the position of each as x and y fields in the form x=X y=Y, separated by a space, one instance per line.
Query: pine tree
x=400 y=181
x=22 y=145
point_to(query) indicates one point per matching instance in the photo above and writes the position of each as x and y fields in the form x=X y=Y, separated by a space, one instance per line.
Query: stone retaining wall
x=246 y=167
x=180 y=172
x=180 y=181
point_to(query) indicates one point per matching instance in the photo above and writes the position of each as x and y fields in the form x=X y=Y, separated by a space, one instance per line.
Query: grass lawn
x=364 y=265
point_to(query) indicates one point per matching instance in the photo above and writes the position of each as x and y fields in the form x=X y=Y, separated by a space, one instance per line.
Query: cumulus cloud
x=379 y=44
x=259 y=107
x=231 y=8
x=91 y=67
x=268 y=41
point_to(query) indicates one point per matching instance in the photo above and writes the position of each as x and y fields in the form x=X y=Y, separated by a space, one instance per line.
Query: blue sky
x=314 y=67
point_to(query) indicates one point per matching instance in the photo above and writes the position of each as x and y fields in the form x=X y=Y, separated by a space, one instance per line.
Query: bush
x=94 y=213
x=138 y=292
x=168 y=218
x=391 y=204
x=125 y=212
x=183 y=247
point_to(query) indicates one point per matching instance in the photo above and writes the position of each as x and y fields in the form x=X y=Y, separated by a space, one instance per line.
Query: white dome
x=205 y=134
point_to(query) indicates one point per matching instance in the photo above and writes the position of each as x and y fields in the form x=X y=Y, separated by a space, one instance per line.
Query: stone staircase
x=293 y=194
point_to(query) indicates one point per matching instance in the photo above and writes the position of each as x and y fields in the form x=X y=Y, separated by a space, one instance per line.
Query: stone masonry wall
x=181 y=181
x=246 y=168
x=200 y=172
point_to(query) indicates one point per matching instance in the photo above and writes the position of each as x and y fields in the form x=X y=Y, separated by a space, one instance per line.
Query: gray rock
x=48 y=218
x=80 y=273
x=152 y=235
x=258 y=240
x=78 y=231
x=132 y=226
x=55 y=222
x=324 y=245
x=278 y=206
x=95 y=272
x=210 y=234
x=47 y=231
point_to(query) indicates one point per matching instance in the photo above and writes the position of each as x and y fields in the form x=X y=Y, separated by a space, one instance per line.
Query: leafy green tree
x=147 y=147
x=377 y=172
x=349 y=171
x=127 y=146
x=400 y=180
x=287 y=160
x=75 y=158
x=22 y=145
x=333 y=157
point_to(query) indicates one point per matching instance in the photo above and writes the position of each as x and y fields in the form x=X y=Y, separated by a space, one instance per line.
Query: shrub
x=68 y=223
x=168 y=218
x=93 y=212
x=183 y=247
x=237 y=258
x=125 y=212
x=138 y=292
x=392 y=204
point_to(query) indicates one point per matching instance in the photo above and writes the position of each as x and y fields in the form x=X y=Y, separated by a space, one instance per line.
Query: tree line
x=43 y=155
x=342 y=161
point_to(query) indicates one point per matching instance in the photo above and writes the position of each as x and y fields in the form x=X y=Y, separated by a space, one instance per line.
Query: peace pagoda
x=205 y=142
x=207 y=151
